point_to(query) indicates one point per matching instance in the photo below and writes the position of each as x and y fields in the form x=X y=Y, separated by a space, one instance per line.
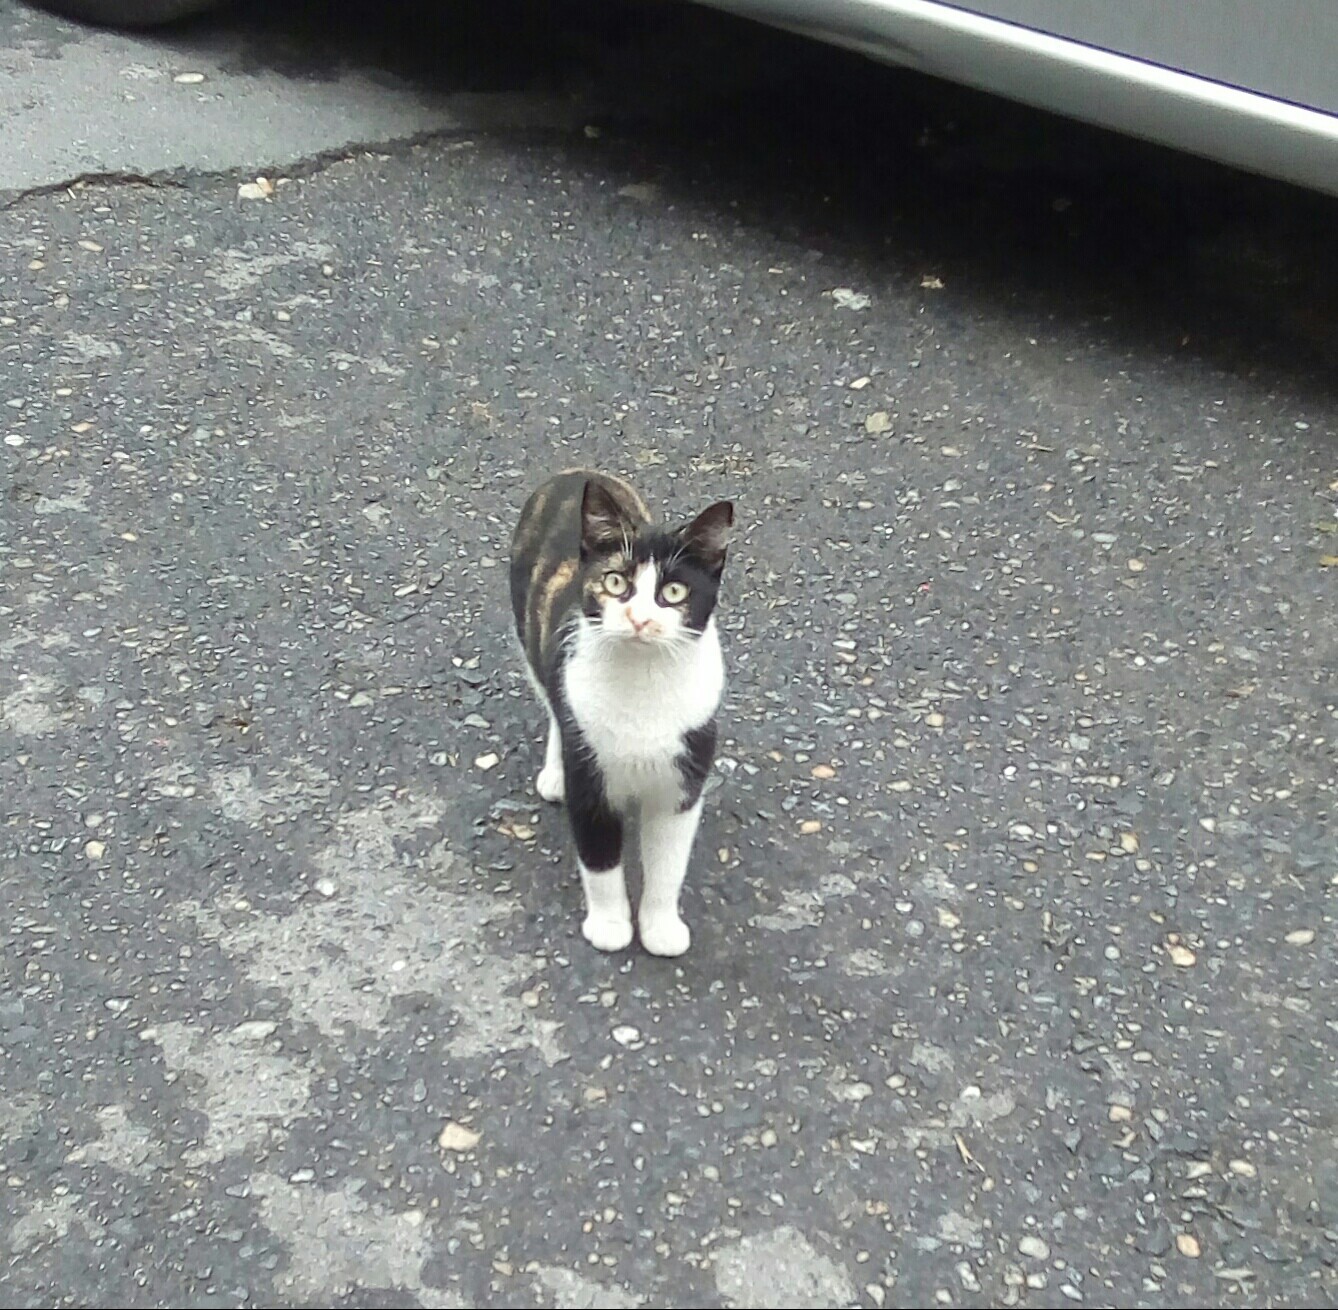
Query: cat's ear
x=604 y=526
x=708 y=534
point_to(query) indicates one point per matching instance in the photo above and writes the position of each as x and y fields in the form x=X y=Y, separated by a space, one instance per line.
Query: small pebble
x=488 y=761
x=95 y=849
x=325 y=886
x=261 y=189
x=254 y=1030
x=624 y=1034
x=1300 y=937
x=1188 y=1246
x=1033 y=1247
x=456 y=1137
x=1181 y=956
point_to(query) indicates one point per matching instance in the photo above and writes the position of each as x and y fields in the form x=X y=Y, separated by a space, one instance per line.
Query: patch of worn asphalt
x=1013 y=966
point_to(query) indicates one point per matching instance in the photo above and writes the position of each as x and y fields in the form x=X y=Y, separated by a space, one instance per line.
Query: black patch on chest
x=696 y=760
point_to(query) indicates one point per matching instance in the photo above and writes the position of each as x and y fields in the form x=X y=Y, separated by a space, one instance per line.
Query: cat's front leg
x=666 y=844
x=551 y=783
x=597 y=830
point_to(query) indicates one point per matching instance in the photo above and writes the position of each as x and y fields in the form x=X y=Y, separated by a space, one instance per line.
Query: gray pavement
x=1013 y=976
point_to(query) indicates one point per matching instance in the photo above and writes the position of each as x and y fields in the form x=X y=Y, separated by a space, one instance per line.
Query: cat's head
x=647 y=584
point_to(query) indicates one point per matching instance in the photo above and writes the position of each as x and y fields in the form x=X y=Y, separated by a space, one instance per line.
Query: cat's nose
x=637 y=624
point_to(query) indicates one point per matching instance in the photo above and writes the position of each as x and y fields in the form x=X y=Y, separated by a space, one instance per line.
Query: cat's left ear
x=708 y=534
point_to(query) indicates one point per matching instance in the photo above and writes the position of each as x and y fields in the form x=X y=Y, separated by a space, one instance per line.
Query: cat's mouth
x=643 y=638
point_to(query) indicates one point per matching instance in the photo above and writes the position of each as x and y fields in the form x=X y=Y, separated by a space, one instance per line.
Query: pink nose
x=637 y=626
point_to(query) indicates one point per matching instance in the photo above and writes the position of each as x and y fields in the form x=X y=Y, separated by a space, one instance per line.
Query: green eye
x=673 y=593
x=615 y=584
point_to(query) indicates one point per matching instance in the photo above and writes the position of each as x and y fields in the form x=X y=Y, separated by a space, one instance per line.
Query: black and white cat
x=615 y=615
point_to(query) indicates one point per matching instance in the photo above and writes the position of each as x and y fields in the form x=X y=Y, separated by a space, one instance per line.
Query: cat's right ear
x=603 y=526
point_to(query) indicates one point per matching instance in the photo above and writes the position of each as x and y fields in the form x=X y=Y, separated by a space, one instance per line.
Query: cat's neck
x=684 y=681
x=654 y=658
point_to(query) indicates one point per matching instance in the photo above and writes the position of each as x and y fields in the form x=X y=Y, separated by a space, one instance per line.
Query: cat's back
x=546 y=551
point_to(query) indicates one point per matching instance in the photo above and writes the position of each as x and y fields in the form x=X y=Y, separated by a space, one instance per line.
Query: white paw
x=607 y=932
x=665 y=934
x=550 y=784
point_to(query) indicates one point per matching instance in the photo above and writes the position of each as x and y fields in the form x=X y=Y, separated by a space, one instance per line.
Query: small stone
x=848 y=298
x=261 y=189
x=1128 y=843
x=947 y=919
x=934 y=719
x=855 y=1092
x=1300 y=937
x=254 y=1030
x=1243 y=1169
x=488 y=761
x=1120 y=1114
x=95 y=246
x=1188 y=1246
x=1181 y=956
x=878 y=422
x=325 y=886
x=302 y=1176
x=95 y=850
x=768 y=1137
x=810 y=826
x=624 y=1034
x=1033 y=1247
x=823 y=771
x=360 y=700
x=1209 y=824
x=456 y=1137
x=1136 y=566
x=189 y=79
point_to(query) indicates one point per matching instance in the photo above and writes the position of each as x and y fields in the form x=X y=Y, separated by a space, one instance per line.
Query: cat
x=615 y=616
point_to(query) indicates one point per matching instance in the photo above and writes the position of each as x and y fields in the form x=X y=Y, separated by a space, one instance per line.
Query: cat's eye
x=615 y=584
x=673 y=593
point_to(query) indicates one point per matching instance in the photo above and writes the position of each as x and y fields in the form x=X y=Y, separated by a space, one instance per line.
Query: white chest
x=634 y=707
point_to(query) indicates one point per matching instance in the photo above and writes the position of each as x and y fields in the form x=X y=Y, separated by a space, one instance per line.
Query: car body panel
x=1252 y=83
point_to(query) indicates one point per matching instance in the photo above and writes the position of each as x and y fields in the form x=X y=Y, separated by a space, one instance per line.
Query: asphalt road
x=1013 y=976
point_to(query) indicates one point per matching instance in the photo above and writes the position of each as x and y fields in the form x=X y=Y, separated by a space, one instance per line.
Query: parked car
x=1252 y=83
